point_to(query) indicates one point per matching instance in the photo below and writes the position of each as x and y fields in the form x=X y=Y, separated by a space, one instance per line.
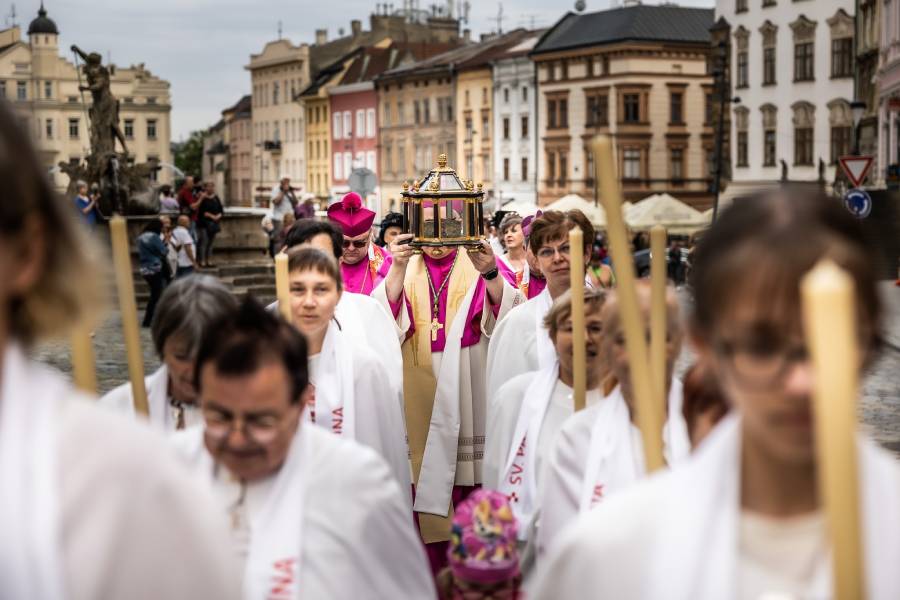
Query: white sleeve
x=559 y=489
x=507 y=356
x=402 y=323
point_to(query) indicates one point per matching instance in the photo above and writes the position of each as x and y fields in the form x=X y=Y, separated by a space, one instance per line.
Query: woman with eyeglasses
x=521 y=344
x=92 y=506
x=743 y=518
x=351 y=393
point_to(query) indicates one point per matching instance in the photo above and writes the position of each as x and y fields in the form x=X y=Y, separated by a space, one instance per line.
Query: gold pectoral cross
x=435 y=327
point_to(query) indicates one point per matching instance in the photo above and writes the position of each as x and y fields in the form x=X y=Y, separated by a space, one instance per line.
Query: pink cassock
x=364 y=276
x=536 y=285
x=438 y=269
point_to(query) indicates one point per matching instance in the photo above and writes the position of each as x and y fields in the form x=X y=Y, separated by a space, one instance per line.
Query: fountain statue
x=124 y=187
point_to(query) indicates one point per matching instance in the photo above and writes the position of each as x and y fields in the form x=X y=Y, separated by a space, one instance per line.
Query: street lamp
x=857 y=110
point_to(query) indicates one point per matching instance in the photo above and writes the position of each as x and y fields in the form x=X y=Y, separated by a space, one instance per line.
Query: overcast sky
x=202 y=46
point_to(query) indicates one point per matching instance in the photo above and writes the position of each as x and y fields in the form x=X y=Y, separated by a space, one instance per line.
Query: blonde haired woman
x=92 y=505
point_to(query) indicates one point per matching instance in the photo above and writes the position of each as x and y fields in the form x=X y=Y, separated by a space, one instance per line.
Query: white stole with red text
x=276 y=539
x=334 y=393
x=518 y=481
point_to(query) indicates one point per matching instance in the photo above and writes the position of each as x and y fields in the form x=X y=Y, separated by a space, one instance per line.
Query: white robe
x=505 y=417
x=162 y=415
x=358 y=538
x=94 y=506
x=675 y=535
x=460 y=396
x=370 y=412
x=520 y=344
x=568 y=489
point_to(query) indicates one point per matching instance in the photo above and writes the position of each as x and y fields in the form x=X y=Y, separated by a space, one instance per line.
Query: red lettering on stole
x=337 y=420
x=597 y=494
x=516 y=476
x=311 y=404
x=283 y=578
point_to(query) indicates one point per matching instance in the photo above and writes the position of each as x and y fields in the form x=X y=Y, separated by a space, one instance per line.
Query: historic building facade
x=42 y=87
x=639 y=74
x=239 y=141
x=889 y=86
x=514 y=127
x=793 y=66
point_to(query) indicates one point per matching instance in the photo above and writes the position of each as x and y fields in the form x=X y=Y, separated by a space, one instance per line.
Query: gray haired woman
x=185 y=311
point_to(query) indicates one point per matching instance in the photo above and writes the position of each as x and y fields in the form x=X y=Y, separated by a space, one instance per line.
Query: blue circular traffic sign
x=858 y=202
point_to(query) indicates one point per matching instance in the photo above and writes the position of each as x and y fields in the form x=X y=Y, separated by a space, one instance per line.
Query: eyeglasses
x=355 y=243
x=548 y=252
x=261 y=429
x=762 y=364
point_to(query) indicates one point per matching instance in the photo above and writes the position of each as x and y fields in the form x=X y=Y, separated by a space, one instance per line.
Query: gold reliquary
x=443 y=210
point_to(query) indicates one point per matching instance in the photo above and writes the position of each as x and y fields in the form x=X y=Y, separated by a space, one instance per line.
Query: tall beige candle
x=579 y=358
x=128 y=308
x=658 y=274
x=829 y=317
x=84 y=372
x=283 y=286
x=648 y=415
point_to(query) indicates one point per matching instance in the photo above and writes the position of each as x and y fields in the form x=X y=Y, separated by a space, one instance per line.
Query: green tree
x=189 y=153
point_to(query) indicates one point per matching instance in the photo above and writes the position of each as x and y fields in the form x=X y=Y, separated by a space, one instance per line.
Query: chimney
x=355 y=27
x=321 y=36
x=467 y=35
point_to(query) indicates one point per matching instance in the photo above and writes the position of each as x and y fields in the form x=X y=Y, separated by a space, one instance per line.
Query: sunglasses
x=355 y=243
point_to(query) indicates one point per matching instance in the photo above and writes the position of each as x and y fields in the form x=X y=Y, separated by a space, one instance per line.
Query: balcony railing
x=272 y=145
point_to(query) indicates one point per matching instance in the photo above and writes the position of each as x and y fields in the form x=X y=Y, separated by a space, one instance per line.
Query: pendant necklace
x=435 y=307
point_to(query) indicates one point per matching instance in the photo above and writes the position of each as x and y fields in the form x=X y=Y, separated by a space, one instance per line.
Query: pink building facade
x=354 y=132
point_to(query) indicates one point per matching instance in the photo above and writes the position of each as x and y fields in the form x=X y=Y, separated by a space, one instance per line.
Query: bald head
x=613 y=346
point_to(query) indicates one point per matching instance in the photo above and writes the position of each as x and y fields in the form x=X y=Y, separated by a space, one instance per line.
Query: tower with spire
x=43 y=37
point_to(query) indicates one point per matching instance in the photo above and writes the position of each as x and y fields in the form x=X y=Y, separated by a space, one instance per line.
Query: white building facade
x=515 y=133
x=889 y=80
x=792 y=66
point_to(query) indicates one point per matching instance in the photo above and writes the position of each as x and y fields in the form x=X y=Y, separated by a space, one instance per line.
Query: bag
x=213 y=227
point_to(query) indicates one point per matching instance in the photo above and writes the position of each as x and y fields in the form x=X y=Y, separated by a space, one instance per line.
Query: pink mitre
x=351 y=215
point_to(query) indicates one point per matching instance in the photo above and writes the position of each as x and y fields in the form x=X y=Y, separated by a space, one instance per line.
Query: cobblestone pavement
x=879 y=408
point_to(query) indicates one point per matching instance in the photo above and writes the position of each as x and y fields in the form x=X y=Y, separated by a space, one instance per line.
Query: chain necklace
x=436 y=325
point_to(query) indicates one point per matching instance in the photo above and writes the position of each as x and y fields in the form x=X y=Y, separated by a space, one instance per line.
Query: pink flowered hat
x=527 y=222
x=483 y=539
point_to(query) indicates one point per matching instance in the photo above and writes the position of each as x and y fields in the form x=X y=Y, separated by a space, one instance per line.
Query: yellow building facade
x=474 y=125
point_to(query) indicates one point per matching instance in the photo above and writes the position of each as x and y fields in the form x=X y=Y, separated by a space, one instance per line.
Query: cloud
x=202 y=46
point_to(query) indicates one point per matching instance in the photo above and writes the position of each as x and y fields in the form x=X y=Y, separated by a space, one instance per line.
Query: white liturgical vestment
x=331 y=523
x=163 y=415
x=94 y=506
x=677 y=535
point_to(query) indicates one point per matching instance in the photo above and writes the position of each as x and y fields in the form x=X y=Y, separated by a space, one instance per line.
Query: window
x=360 y=123
x=551 y=167
x=551 y=114
x=485 y=125
x=370 y=122
x=525 y=126
x=388 y=159
x=468 y=128
x=505 y=169
x=740 y=6
x=151 y=129
x=676 y=164
x=73 y=129
x=524 y=168
x=21 y=90
x=631 y=163
x=769 y=148
x=338 y=166
x=484 y=96
x=840 y=142
x=742 y=79
x=564 y=68
x=348 y=164
x=399 y=113
x=336 y=118
x=348 y=125
x=804 y=62
x=710 y=160
x=150 y=100
x=449 y=105
x=129 y=129
x=505 y=128
x=676 y=108
x=370 y=160
x=708 y=109
x=506 y=95
x=466 y=97
x=588 y=166
x=48 y=128
x=275 y=90
x=768 y=66
x=803 y=146
x=563 y=168
x=48 y=89
x=386 y=116
x=597 y=110
x=742 y=149
x=768 y=3
x=524 y=93
x=401 y=158
x=842 y=57
x=632 y=108
x=417 y=115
